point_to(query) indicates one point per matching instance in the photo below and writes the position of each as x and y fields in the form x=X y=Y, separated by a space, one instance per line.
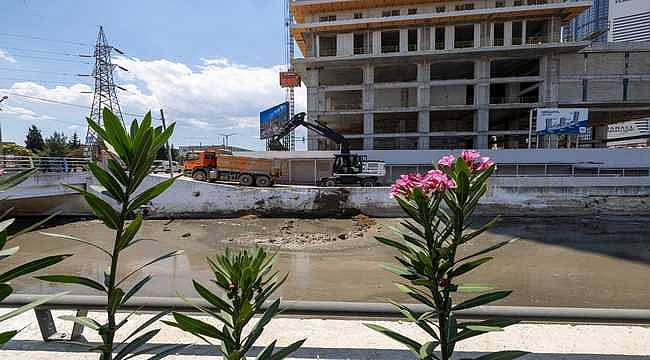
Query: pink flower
x=484 y=164
x=470 y=156
x=405 y=185
x=436 y=180
x=447 y=161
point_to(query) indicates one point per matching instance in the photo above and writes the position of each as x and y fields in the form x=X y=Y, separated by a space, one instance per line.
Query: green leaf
x=467 y=267
x=32 y=266
x=482 y=300
x=72 y=238
x=108 y=181
x=196 y=327
x=211 y=298
x=5 y=290
x=428 y=349
x=287 y=350
x=6 y=336
x=6 y=223
x=467 y=333
x=503 y=355
x=135 y=344
x=68 y=279
x=7 y=183
x=474 y=288
x=151 y=193
x=130 y=232
x=147 y=324
x=101 y=208
x=135 y=289
x=266 y=354
x=114 y=300
x=411 y=344
x=118 y=172
x=85 y=321
x=40 y=301
x=5 y=253
x=480 y=231
x=393 y=243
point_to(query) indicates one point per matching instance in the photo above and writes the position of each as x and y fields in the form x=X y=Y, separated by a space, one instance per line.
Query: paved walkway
x=349 y=339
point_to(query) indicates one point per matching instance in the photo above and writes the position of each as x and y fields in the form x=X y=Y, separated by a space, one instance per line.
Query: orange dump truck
x=223 y=166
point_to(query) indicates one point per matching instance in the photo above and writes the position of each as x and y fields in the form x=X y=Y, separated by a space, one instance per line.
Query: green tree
x=15 y=149
x=74 y=142
x=429 y=263
x=34 y=140
x=135 y=150
x=55 y=145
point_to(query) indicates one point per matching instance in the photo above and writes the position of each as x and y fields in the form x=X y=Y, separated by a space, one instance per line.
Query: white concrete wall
x=448 y=95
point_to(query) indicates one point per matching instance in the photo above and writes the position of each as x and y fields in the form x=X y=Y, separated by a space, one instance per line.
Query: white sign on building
x=562 y=121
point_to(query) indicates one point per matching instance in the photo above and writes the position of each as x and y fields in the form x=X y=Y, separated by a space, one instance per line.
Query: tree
x=34 y=140
x=74 y=142
x=55 y=145
x=15 y=149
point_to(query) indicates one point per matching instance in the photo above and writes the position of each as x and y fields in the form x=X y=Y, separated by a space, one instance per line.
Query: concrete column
x=345 y=44
x=424 y=86
x=368 y=91
x=376 y=42
x=600 y=136
x=555 y=30
x=317 y=44
x=403 y=40
x=368 y=130
x=477 y=35
x=550 y=87
x=507 y=33
x=423 y=129
x=424 y=38
x=450 y=36
x=523 y=33
x=482 y=100
x=313 y=94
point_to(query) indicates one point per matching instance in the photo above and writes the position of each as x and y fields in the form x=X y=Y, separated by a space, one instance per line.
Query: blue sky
x=212 y=65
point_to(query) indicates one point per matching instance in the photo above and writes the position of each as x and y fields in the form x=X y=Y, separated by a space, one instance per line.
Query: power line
x=43 y=81
x=45 y=39
x=51 y=59
x=40 y=51
x=40 y=71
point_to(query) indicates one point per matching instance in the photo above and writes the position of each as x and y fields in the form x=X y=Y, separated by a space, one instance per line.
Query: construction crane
x=348 y=168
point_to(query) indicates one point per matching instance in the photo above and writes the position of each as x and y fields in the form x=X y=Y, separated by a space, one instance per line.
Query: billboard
x=289 y=79
x=562 y=121
x=272 y=120
x=629 y=129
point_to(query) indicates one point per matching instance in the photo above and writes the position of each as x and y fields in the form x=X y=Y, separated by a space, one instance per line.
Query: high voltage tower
x=105 y=95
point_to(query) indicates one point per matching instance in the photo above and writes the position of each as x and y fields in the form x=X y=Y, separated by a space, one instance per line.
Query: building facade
x=629 y=20
x=414 y=74
x=592 y=24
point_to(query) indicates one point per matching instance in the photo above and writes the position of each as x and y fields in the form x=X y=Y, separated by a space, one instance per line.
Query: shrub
x=132 y=153
x=24 y=269
x=439 y=204
x=247 y=280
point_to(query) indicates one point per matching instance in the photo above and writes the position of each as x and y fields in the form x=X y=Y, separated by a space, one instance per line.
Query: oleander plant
x=6 y=275
x=131 y=154
x=439 y=205
x=247 y=280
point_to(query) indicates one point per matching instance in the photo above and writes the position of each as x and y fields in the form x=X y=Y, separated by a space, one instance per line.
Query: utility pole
x=2 y=147
x=105 y=95
x=169 y=149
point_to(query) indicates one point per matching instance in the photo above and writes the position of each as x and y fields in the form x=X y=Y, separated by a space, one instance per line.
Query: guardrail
x=327 y=309
x=10 y=163
x=567 y=170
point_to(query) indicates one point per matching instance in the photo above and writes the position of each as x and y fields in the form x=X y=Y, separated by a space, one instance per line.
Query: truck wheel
x=368 y=183
x=330 y=183
x=263 y=181
x=200 y=175
x=246 y=179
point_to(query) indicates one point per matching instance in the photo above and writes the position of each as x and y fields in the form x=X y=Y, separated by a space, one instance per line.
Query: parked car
x=162 y=166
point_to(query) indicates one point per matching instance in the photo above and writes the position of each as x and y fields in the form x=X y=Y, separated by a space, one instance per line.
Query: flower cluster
x=432 y=181
x=472 y=158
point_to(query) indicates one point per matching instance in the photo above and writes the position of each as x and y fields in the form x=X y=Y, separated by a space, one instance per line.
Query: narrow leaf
x=85 y=321
x=287 y=350
x=135 y=344
x=41 y=300
x=67 y=279
x=411 y=344
x=503 y=355
x=72 y=238
x=147 y=323
x=135 y=289
x=32 y=266
x=482 y=300
x=166 y=256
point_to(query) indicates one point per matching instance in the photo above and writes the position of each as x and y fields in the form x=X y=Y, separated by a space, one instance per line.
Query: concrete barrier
x=507 y=196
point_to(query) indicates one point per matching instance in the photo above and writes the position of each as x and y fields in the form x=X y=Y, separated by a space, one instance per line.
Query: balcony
x=497 y=100
x=327 y=52
x=389 y=49
x=462 y=44
x=360 y=50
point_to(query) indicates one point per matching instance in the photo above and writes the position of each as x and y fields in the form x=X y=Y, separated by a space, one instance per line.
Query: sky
x=212 y=65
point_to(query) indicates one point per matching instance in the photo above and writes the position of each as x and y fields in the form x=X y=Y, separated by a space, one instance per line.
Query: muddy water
x=594 y=262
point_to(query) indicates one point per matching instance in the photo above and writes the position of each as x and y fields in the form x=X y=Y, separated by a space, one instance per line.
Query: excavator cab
x=348 y=164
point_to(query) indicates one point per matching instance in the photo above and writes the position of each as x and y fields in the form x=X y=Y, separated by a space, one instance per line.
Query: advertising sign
x=562 y=121
x=272 y=120
x=289 y=79
x=629 y=129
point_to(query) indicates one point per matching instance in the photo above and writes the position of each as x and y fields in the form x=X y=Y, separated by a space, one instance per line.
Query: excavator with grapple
x=348 y=168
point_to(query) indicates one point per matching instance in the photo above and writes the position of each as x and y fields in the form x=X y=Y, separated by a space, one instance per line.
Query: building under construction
x=427 y=74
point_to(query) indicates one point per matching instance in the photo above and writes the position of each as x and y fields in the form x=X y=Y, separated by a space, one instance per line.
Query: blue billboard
x=273 y=120
x=562 y=121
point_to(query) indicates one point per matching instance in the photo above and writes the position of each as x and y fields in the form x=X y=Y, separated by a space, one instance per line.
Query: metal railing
x=567 y=170
x=513 y=100
x=327 y=52
x=534 y=40
x=360 y=50
x=327 y=309
x=389 y=48
x=11 y=163
x=413 y=47
x=462 y=44
x=498 y=42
